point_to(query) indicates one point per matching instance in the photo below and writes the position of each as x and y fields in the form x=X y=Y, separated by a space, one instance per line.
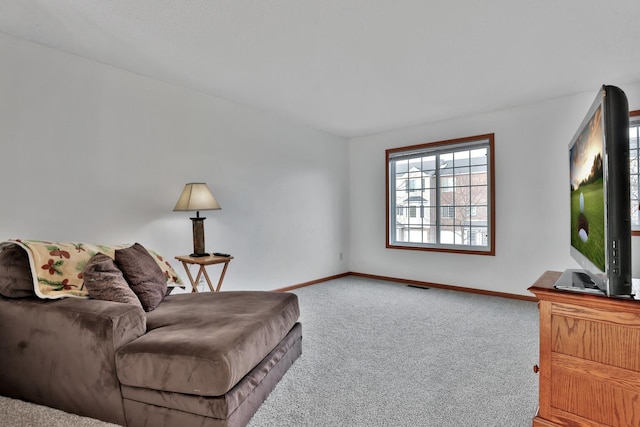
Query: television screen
x=599 y=199
x=587 y=192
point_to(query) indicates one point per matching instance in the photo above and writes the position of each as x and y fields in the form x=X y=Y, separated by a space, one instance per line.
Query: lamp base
x=198 y=237
x=198 y=255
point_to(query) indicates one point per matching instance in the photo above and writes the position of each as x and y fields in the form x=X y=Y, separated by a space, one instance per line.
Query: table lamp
x=196 y=196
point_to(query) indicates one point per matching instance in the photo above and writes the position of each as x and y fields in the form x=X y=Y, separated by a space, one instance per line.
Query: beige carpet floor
x=383 y=354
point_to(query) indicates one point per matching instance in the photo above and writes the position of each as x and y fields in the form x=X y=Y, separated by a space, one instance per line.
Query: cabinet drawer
x=598 y=341
x=593 y=397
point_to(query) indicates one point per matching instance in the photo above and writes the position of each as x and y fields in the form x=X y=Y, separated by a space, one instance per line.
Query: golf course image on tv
x=587 y=221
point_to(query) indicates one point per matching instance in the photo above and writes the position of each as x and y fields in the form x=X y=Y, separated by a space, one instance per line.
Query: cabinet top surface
x=544 y=290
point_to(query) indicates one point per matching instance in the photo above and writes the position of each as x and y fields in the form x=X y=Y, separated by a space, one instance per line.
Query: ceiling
x=351 y=67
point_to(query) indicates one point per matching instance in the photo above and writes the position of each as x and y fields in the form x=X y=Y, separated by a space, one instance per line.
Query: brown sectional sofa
x=207 y=359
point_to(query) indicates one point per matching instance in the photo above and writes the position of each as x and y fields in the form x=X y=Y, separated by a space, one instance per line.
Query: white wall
x=531 y=198
x=93 y=153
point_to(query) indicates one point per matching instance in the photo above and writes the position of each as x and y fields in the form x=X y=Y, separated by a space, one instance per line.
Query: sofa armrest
x=61 y=353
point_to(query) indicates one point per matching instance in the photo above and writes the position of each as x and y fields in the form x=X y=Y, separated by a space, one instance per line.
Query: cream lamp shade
x=196 y=196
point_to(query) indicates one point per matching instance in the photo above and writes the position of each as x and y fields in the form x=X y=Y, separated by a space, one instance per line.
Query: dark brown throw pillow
x=143 y=274
x=15 y=274
x=105 y=281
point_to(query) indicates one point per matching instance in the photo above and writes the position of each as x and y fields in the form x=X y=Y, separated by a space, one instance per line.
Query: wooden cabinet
x=589 y=363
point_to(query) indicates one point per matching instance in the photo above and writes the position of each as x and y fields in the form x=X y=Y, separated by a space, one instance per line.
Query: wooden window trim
x=491 y=187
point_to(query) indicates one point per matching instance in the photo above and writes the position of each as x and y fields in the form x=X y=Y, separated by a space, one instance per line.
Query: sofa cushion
x=204 y=343
x=15 y=274
x=143 y=274
x=105 y=281
x=236 y=406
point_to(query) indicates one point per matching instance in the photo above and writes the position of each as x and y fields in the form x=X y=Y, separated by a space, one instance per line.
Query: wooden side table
x=203 y=262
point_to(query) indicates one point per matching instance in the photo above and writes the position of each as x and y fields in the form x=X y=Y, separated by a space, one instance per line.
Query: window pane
x=463 y=170
x=634 y=212
x=431 y=216
x=447 y=235
x=463 y=178
x=480 y=215
x=414 y=165
x=461 y=158
x=446 y=184
x=401 y=235
x=634 y=137
x=462 y=196
x=462 y=215
x=458 y=234
x=479 y=156
x=479 y=175
x=446 y=160
x=478 y=195
x=478 y=236
x=429 y=163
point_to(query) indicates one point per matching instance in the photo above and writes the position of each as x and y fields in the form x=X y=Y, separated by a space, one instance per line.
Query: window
x=634 y=155
x=448 y=211
x=448 y=188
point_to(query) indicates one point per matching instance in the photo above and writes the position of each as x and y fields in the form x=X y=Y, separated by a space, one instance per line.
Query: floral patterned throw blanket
x=57 y=267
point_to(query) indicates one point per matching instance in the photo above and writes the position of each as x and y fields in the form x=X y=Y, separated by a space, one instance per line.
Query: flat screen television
x=599 y=197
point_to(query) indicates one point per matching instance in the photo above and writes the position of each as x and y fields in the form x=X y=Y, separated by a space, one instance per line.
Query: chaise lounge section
x=185 y=368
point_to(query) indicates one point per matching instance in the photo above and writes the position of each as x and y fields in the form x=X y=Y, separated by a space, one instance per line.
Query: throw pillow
x=105 y=281
x=169 y=272
x=15 y=274
x=143 y=274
